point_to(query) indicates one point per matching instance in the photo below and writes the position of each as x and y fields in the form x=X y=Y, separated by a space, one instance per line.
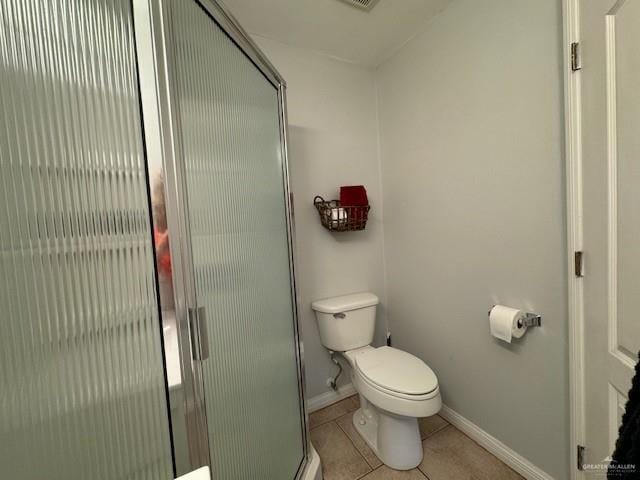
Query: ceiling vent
x=365 y=5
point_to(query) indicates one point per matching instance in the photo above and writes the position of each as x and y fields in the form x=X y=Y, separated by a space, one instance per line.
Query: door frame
x=574 y=187
x=155 y=51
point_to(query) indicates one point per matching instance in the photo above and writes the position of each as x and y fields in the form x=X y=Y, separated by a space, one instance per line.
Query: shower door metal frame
x=156 y=16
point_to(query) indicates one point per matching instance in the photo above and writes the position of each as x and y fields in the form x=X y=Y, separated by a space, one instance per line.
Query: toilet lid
x=398 y=371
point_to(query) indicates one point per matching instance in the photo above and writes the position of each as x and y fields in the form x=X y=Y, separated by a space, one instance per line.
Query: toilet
x=395 y=387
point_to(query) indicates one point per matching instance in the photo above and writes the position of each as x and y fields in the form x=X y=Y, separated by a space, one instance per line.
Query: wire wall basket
x=341 y=218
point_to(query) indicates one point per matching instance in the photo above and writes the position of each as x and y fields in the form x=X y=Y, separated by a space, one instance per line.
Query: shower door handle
x=199 y=333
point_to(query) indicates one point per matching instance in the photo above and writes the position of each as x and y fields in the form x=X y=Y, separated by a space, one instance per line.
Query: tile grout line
x=373 y=469
x=443 y=427
x=332 y=420
x=422 y=472
x=472 y=440
x=368 y=473
x=447 y=425
x=322 y=424
x=483 y=448
x=437 y=431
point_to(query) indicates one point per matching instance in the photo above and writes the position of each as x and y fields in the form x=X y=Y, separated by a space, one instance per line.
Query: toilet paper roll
x=338 y=216
x=503 y=323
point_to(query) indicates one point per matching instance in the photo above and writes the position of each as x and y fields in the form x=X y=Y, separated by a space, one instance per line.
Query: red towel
x=355 y=195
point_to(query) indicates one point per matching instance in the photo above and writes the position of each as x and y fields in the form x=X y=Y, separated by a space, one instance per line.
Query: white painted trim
x=314 y=468
x=329 y=398
x=516 y=461
x=573 y=141
x=612 y=161
x=201 y=474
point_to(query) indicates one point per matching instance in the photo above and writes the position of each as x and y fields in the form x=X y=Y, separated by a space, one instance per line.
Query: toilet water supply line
x=333 y=382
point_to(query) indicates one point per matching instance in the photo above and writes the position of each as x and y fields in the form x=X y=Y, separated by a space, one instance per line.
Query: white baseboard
x=329 y=398
x=516 y=461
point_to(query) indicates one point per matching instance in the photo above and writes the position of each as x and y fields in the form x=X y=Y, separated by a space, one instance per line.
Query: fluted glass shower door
x=82 y=383
x=231 y=128
x=147 y=296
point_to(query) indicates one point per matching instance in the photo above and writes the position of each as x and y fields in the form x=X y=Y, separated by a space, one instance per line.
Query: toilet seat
x=396 y=382
x=405 y=396
x=396 y=372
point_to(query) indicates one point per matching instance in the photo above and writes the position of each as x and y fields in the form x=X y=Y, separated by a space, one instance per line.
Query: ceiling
x=337 y=29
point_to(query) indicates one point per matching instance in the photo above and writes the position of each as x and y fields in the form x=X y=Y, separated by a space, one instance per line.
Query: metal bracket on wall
x=580 y=453
x=531 y=320
x=576 y=60
x=578 y=261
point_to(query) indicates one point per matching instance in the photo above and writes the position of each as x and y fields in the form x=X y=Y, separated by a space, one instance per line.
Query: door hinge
x=578 y=263
x=580 y=452
x=576 y=61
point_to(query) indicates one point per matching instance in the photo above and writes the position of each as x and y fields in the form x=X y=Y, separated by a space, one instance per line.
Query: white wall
x=471 y=138
x=333 y=141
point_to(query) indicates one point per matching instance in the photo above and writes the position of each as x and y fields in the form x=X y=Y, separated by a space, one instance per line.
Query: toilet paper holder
x=529 y=320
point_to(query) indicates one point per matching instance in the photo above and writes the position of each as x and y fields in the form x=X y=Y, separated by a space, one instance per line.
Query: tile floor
x=449 y=454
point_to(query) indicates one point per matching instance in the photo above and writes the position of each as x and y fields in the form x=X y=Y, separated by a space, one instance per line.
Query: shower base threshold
x=314 y=468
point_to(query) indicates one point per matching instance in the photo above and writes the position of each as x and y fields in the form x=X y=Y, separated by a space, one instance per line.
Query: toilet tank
x=346 y=322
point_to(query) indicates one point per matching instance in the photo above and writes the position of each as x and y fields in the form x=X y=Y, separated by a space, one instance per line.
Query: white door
x=610 y=77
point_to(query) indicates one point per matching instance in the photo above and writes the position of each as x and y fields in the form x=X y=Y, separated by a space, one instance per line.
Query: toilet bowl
x=395 y=387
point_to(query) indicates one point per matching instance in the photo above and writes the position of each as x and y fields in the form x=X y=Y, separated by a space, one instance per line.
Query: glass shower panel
x=83 y=391
x=229 y=117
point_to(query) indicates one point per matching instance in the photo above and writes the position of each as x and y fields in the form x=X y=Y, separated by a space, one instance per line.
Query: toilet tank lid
x=345 y=303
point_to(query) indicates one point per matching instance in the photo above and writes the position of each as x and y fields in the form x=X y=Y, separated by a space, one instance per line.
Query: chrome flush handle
x=339 y=315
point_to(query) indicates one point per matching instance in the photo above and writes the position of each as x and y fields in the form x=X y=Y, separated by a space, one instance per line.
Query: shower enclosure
x=146 y=248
